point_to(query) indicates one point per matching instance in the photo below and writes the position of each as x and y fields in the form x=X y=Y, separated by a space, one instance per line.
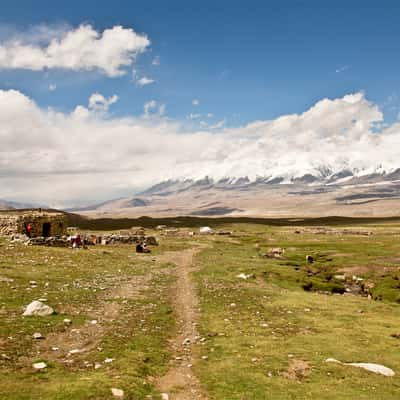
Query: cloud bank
x=86 y=155
x=80 y=49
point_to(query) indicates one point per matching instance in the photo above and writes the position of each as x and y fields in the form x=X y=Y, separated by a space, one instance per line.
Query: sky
x=101 y=100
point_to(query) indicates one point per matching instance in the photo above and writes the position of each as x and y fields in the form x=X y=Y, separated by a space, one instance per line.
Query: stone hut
x=44 y=223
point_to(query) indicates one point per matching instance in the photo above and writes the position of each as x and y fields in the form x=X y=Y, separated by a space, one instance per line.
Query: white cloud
x=342 y=69
x=52 y=87
x=195 y=102
x=156 y=61
x=194 y=116
x=62 y=158
x=98 y=102
x=144 y=81
x=78 y=49
x=151 y=108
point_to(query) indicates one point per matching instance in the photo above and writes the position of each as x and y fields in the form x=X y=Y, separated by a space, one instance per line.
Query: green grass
x=75 y=284
x=254 y=329
x=248 y=359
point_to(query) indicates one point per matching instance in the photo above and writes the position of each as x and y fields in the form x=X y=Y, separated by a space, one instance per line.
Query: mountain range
x=342 y=193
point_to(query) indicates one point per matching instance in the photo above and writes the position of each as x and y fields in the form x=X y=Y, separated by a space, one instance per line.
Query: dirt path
x=180 y=383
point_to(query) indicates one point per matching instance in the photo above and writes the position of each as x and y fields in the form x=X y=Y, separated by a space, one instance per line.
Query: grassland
x=264 y=337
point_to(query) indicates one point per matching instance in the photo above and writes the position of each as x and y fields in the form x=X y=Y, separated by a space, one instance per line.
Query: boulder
x=38 y=308
x=375 y=368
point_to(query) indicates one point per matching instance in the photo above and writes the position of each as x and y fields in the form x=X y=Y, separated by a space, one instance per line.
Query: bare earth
x=180 y=383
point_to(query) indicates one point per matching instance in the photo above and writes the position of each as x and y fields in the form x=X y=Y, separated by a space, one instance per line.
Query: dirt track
x=180 y=383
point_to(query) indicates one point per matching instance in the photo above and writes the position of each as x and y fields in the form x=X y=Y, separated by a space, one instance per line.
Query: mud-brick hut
x=44 y=223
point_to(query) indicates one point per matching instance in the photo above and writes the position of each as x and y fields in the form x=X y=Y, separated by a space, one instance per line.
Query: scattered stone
x=5 y=356
x=38 y=308
x=309 y=259
x=119 y=393
x=395 y=335
x=55 y=348
x=204 y=357
x=74 y=351
x=37 y=335
x=108 y=360
x=276 y=252
x=164 y=396
x=245 y=276
x=67 y=321
x=375 y=368
x=205 y=230
x=233 y=304
x=186 y=342
x=39 y=365
x=97 y=365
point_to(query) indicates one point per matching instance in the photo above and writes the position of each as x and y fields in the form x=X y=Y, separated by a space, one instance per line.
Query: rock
x=39 y=365
x=119 y=393
x=164 y=396
x=205 y=230
x=309 y=259
x=67 y=321
x=38 y=308
x=108 y=360
x=37 y=335
x=375 y=368
x=276 y=252
x=245 y=276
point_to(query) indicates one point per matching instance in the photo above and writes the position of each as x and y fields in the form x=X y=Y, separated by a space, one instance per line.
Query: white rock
x=375 y=368
x=67 y=321
x=108 y=360
x=164 y=396
x=38 y=308
x=39 y=365
x=204 y=230
x=244 y=276
x=117 y=393
x=37 y=335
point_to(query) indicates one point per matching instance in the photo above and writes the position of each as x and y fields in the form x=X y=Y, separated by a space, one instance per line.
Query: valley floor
x=241 y=316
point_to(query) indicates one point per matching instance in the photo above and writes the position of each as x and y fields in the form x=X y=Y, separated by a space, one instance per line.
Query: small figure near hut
x=28 y=230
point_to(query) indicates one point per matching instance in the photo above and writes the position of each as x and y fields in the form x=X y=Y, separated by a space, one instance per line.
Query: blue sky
x=101 y=99
x=243 y=60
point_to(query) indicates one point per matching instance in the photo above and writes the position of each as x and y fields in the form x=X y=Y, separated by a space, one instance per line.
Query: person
x=29 y=230
x=139 y=247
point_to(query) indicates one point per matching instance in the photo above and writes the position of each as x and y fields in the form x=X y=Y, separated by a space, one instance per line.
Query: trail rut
x=180 y=383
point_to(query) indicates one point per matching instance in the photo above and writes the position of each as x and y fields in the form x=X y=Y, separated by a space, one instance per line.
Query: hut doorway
x=46 y=229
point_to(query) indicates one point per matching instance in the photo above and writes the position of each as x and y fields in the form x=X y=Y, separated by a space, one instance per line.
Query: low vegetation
x=267 y=324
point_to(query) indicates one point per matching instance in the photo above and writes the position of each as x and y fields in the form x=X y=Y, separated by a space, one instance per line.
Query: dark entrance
x=46 y=229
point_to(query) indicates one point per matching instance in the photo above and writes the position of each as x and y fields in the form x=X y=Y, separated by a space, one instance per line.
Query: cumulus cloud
x=98 y=102
x=195 y=102
x=156 y=61
x=66 y=158
x=83 y=48
x=52 y=87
